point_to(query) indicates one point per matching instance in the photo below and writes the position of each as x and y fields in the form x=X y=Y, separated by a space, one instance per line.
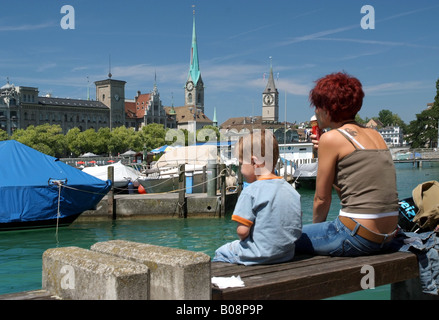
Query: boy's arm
x=243 y=231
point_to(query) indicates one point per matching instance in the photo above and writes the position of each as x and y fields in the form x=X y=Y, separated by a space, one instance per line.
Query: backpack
x=421 y=211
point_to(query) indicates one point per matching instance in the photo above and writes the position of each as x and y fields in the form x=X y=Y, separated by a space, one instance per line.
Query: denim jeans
x=333 y=238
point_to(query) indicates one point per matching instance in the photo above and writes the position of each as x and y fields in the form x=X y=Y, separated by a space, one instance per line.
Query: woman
x=356 y=161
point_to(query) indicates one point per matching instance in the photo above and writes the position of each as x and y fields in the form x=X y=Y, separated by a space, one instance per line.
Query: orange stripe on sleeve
x=242 y=220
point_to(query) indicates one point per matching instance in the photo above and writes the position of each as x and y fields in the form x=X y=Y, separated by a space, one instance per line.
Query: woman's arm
x=328 y=155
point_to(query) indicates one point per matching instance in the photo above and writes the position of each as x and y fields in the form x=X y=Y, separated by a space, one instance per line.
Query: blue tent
x=160 y=149
x=31 y=182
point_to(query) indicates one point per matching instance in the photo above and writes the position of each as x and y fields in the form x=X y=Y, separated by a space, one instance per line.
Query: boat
x=163 y=175
x=305 y=175
x=166 y=179
x=122 y=174
x=38 y=190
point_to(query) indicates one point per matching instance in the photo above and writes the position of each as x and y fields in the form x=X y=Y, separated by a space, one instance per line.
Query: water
x=21 y=251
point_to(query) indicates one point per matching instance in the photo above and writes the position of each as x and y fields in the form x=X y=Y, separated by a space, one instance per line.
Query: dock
x=139 y=206
x=418 y=161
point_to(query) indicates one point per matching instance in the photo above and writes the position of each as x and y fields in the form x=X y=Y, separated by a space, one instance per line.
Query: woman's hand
x=314 y=141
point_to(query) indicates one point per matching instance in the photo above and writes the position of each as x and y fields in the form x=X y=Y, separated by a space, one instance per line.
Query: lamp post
x=195 y=111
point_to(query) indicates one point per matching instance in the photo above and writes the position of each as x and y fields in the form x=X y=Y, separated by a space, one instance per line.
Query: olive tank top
x=367 y=180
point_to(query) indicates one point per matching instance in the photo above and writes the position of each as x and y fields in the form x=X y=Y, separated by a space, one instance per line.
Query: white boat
x=306 y=174
x=122 y=174
x=163 y=176
x=166 y=179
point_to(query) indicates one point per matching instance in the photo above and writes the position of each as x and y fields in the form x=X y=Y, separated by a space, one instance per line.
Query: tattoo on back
x=352 y=132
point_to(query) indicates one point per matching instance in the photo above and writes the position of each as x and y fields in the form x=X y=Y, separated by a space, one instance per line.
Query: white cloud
x=27 y=27
x=394 y=87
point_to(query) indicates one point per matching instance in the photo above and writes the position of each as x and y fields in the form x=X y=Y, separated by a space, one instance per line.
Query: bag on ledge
x=420 y=213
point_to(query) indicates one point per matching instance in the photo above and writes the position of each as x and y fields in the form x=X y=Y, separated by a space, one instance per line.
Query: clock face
x=268 y=99
x=190 y=86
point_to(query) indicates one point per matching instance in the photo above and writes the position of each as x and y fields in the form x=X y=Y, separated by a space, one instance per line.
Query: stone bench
x=80 y=274
x=175 y=274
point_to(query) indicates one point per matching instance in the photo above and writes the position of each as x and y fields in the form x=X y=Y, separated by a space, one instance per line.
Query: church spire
x=194 y=71
x=271 y=86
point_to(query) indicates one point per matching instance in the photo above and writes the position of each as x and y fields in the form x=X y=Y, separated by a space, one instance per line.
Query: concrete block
x=78 y=274
x=175 y=274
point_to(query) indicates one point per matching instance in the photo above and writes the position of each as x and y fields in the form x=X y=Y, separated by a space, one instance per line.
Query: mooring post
x=223 y=189
x=182 y=204
x=111 y=204
x=204 y=180
x=211 y=178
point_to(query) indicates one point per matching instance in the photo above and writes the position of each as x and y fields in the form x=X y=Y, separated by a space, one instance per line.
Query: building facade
x=21 y=107
x=147 y=108
x=393 y=136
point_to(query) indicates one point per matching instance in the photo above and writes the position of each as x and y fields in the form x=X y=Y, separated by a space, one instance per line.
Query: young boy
x=268 y=211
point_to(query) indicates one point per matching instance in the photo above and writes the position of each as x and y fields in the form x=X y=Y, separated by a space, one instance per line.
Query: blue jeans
x=333 y=238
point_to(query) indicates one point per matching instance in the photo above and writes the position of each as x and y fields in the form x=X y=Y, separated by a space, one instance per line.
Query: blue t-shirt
x=272 y=209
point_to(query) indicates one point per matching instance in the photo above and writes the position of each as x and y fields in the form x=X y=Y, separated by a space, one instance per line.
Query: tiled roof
x=63 y=102
x=184 y=115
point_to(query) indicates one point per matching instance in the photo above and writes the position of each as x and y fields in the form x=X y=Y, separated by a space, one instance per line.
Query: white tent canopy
x=193 y=155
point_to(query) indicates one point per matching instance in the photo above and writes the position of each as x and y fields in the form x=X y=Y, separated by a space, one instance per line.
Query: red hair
x=338 y=93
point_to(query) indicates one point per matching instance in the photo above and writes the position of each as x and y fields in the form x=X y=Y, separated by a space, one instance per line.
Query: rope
x=59 y=184
x=196 y=185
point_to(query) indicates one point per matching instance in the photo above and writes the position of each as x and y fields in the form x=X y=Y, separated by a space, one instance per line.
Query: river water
x=21 y=251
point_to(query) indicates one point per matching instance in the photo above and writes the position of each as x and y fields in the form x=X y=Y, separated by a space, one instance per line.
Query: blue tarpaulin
x=29 y=186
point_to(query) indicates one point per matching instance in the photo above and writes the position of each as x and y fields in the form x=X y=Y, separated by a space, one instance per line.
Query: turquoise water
x=21 y=251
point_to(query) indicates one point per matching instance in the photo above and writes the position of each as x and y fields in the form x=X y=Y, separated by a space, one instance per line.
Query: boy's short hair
x=260 y=143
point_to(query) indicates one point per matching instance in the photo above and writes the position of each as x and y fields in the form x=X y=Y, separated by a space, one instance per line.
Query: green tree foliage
x=3 y=135
x=423 y=132
x=44 y=138
x=152 y=136
x=50 y=140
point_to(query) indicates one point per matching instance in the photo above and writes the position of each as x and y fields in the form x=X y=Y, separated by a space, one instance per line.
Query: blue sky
x=397 y=62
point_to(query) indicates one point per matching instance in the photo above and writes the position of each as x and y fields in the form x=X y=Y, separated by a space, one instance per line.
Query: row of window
x=28 y=98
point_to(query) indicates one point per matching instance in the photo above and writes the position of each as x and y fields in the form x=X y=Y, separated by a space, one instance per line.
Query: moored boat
x=122 y=174
x=37 y=190
x=163 y=176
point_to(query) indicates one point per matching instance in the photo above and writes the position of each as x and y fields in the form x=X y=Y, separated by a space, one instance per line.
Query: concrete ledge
x=175 y=274
x=80 y=274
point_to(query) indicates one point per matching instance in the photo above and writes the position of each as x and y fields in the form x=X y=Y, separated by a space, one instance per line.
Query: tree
x=423 y=132
x=123 y=139
x=72 y=141
x=3 y=135
x=45 y=138
x=152 y=136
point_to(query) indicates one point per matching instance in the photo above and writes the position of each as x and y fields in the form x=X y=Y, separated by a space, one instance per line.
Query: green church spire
x=194 y=71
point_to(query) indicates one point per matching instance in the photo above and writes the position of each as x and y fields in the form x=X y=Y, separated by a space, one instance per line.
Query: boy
x=268 y=211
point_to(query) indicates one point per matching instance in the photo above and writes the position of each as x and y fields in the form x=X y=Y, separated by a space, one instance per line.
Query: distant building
x=21 y=107
x=374 y=124
x=393 y=136
x=270 y=101
x=147 y=108
x=191 y=116
x=242 y=125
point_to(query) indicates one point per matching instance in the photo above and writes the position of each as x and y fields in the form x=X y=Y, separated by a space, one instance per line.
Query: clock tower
x=112 y=93
x=270 y=100
x=194 y=88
